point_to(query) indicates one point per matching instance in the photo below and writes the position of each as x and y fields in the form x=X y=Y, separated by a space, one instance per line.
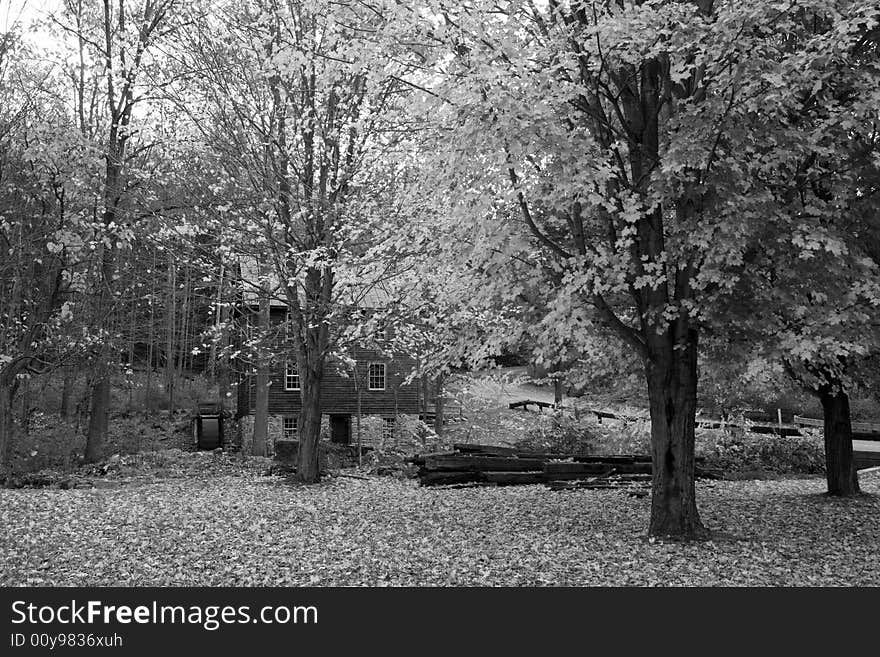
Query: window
x=291 y=377
x=383 y=331
x=387 y=428
x=289 y=426
x=376 y=376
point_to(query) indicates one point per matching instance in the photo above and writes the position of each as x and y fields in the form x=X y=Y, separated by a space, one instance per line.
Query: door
x=340 y=429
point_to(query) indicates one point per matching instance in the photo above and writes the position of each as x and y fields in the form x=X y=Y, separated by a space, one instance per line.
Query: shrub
x=627 y=438
x=864 y=408
x=734 y=452
x=563 y=435
x=741 y=452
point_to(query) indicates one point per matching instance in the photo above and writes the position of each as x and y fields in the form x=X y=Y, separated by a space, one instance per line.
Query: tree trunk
x=151 y=338
x=183 y=329
x=360 y=438
x=424 y=396
x=261 y=412
x=423 y=407
x=840 y=470
x=67 y=392
x=148 y=392
x=261 y=401
x=672 y=393
x=100 y=403
x=557 y=389
x=131 y=369
x=25 y=416
x=394 y=432
x=438 y=405
x=170 y=322
x=312 y=340
x=307 y=465
x=223 y=383
x=98 y=416
x=6 y=431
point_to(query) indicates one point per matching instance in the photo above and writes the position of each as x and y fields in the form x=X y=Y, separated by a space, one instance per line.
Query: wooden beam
x=481 y=464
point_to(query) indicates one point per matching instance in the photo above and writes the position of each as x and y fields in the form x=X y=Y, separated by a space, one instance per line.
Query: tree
x=118 y=38
x=44 y=170
x=298 y=101
x=634 y=141
x=820 y=286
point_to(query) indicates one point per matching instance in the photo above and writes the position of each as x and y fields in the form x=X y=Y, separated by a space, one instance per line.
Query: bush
x=741 y=452
x=864 y=408
x=633 y=437
x=735 y=452
x=563 y=435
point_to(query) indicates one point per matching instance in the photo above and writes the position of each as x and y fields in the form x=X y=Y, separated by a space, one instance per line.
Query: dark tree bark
x=100 y=403
x=307 y=465
x=24 y=420
x=98 y=417
x=672 y=393
x=261 y=401
x=359 y=387
x=557 y=389
x=840 y=470
x=6 y=428
x=438 y=405
x=312 y=338
x=170 y=323
x=69 y=381
x=223 y=378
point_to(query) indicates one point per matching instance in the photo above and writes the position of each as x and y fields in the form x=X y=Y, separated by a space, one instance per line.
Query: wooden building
x=373 y=386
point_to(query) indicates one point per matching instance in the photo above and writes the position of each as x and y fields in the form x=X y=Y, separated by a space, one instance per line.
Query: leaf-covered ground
x=234 y=526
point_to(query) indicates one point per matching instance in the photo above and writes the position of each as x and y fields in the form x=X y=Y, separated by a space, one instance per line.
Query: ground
x=237 y=526
x=173 y=517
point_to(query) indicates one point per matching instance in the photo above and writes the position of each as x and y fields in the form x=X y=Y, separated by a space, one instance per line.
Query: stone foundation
x=286 y=451
x=246 y=433
x=406 y=434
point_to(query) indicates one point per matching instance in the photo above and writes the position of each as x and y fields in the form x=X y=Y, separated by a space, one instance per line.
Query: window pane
x=376 y=376
x=291 y=377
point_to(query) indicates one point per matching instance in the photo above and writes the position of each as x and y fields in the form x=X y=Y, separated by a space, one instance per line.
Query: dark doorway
x=340 y=429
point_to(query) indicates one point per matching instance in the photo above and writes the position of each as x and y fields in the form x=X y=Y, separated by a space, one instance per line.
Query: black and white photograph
x=349 y=294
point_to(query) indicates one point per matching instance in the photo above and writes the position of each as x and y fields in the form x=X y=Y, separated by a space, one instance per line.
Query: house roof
x=362 y=293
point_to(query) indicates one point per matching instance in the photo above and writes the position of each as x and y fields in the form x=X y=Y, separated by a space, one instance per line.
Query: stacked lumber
x=637 y=485
x=621 y=473
x=505 y=466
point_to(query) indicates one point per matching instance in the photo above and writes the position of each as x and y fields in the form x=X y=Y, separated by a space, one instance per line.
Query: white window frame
x=370 y=375
x=291 y=375
x=289 y=433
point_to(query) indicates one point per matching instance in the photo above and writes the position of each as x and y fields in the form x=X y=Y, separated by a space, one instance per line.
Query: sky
x=24 y=12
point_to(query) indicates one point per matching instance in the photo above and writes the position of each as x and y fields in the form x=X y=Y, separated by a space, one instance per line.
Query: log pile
x=474 y=465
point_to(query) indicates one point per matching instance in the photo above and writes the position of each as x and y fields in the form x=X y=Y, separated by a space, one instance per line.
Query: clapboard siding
x=338 y=392
x=339 y=395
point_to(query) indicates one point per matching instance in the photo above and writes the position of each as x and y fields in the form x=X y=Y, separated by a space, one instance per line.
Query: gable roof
x=370 y=294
